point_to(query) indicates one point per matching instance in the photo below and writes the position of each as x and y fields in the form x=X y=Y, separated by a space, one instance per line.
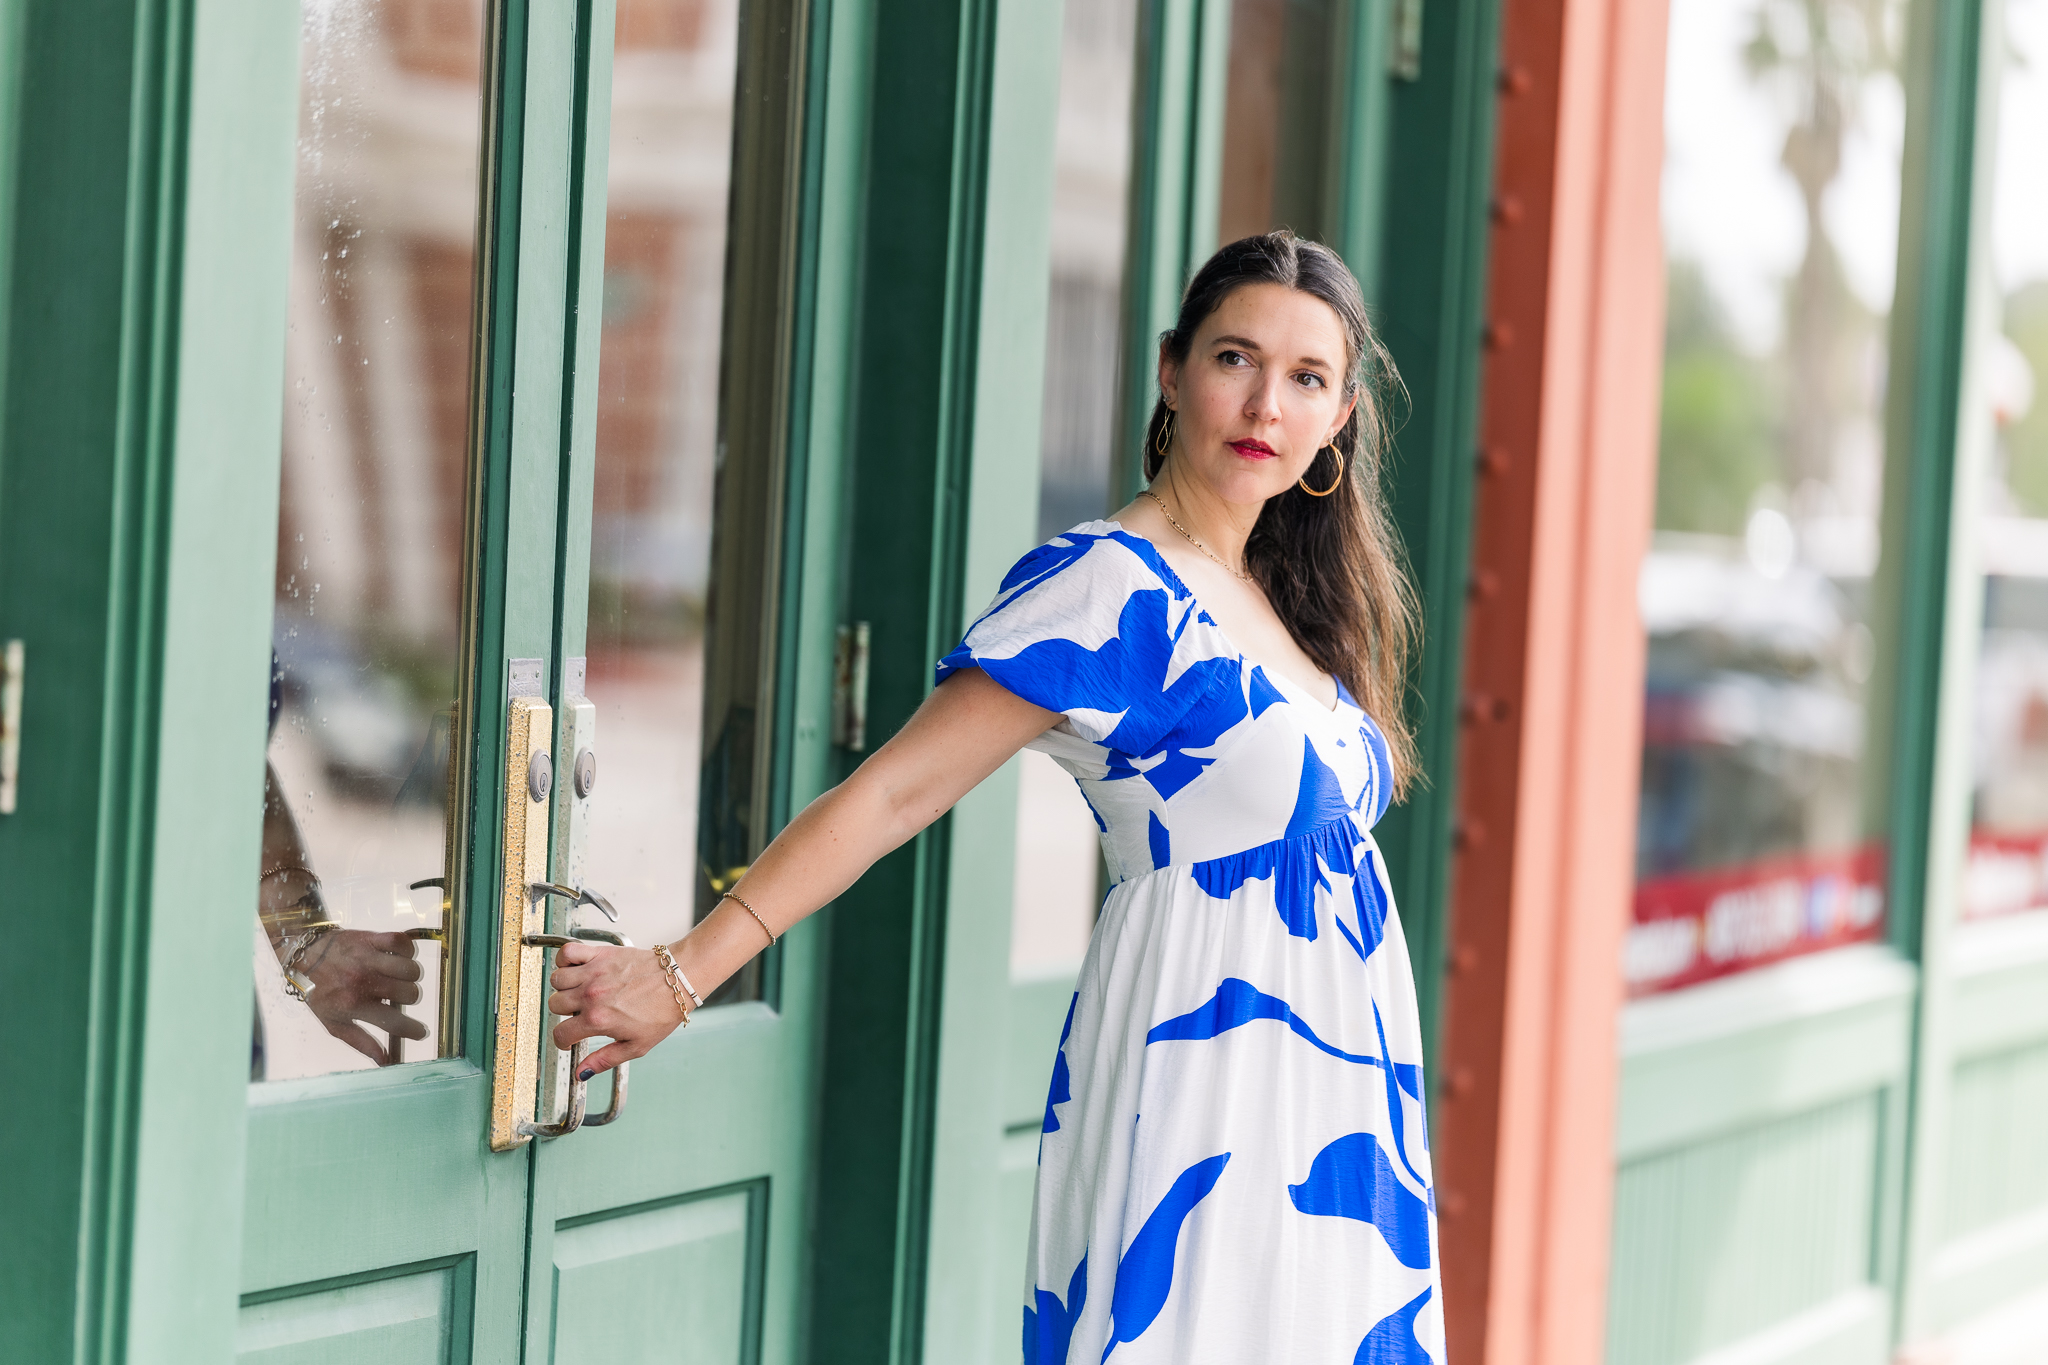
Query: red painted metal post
x=1553 y=683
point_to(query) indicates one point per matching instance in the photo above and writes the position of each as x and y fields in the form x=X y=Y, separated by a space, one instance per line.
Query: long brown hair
x=1333 y=567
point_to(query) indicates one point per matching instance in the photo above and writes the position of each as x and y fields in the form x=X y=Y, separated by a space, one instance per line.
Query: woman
x=1233 y=1164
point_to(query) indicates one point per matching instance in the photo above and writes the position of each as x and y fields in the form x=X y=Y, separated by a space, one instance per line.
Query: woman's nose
x=1264 y=403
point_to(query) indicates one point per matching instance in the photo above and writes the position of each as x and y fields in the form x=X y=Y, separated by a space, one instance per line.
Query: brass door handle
x=573 y=1115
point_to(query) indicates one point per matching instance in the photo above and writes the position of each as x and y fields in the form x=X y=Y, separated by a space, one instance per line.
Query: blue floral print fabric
x=1234 y=1164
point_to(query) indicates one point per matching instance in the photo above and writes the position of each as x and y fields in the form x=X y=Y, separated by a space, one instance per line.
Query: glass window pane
x=1763 y=781
x=1059 y=877
x=370 y=541
x=2008 y=865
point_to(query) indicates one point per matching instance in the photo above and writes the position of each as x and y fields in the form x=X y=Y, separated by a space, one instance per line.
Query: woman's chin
x=1250 y=487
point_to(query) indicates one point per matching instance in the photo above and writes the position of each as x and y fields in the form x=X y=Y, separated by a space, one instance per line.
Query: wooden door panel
x=414 y=1317
x=676 y=1281
x=421 y=1199
x=715 y=1090
x=1759 y=1119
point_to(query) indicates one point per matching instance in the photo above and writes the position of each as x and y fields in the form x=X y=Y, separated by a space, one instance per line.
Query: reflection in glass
x=2008 y=863
x=1761 y=823
x=1059 y=878
x=1278 y=119
x=370 y=540
x=657 y=455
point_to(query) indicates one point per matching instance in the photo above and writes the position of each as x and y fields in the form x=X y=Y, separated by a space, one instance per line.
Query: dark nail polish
x=585 y=1075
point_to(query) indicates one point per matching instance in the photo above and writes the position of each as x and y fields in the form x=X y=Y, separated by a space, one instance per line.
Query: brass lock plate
x=529 y=730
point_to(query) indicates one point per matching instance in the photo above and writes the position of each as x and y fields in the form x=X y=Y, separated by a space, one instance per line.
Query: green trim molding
x=1429 y=303
x=147 y=210
x=1176 y=174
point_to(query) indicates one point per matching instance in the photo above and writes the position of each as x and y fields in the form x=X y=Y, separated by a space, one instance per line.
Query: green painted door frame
x=1176 y=176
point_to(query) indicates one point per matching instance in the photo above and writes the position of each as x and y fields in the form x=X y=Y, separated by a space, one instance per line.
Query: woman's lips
x=1253 y=450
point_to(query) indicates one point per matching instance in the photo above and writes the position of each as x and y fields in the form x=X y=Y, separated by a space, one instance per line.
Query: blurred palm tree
x=1819 y=53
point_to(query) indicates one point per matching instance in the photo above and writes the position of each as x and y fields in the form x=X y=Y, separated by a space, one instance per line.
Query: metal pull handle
x=576 y=895
x=573 y=1115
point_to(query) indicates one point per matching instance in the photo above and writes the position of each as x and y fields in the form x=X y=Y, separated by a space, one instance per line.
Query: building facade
x=449 y=446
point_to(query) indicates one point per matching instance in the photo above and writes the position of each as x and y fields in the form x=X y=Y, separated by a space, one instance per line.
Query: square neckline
x=1278 y=677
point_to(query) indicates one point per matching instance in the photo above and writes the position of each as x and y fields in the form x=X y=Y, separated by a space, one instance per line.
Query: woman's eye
x=1309 y=380
x=1234 y=358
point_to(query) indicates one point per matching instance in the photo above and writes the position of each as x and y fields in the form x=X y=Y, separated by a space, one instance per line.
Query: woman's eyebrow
x=1247 y=344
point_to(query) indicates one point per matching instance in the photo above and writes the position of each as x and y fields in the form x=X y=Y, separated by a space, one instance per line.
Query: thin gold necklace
x=1188 y=536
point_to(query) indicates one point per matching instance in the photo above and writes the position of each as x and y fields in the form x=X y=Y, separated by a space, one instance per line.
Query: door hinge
x=11 y=659
x=850 y=688
x=1404 y=53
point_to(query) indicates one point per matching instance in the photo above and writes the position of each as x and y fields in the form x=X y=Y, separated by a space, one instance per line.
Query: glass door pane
x=686 y=530
x=1767 y=592
x=352 y=931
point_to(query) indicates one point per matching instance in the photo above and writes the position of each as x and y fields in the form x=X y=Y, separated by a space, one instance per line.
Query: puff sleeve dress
x=1233 y=1165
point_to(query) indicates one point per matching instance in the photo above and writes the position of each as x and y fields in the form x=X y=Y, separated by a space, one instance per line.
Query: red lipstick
x=1253 y=449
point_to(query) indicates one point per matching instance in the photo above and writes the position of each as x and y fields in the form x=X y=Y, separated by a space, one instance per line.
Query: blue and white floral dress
x=1234 y=1165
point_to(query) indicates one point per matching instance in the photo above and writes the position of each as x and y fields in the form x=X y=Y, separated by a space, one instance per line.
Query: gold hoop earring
x=1325 y=492
x=1164 y=438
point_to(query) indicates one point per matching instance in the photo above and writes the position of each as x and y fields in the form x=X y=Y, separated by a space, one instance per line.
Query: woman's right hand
x=616 y=993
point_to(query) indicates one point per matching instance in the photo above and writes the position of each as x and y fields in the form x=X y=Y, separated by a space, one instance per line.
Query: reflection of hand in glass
x=358 y=975
x=349 y=977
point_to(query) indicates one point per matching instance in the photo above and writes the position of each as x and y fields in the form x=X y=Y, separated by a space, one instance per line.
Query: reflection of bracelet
x=293 y=913
x=313 y=932
x=309 y=901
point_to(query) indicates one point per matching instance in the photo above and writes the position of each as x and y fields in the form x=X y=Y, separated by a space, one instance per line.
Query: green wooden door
x=676 y=1233
x=536 y=619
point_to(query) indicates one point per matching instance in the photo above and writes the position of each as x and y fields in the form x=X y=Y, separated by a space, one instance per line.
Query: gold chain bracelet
x=773 y=938
x=678 y=984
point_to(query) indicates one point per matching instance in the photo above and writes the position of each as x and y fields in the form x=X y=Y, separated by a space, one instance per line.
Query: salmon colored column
x=1553 y=683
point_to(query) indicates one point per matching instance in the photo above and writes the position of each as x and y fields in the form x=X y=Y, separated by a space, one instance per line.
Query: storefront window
x=1764 y=783
x=2008 y=862
x=1059 y=877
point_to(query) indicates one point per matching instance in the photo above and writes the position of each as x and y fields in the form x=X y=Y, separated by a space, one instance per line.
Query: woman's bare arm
x=966 y=729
